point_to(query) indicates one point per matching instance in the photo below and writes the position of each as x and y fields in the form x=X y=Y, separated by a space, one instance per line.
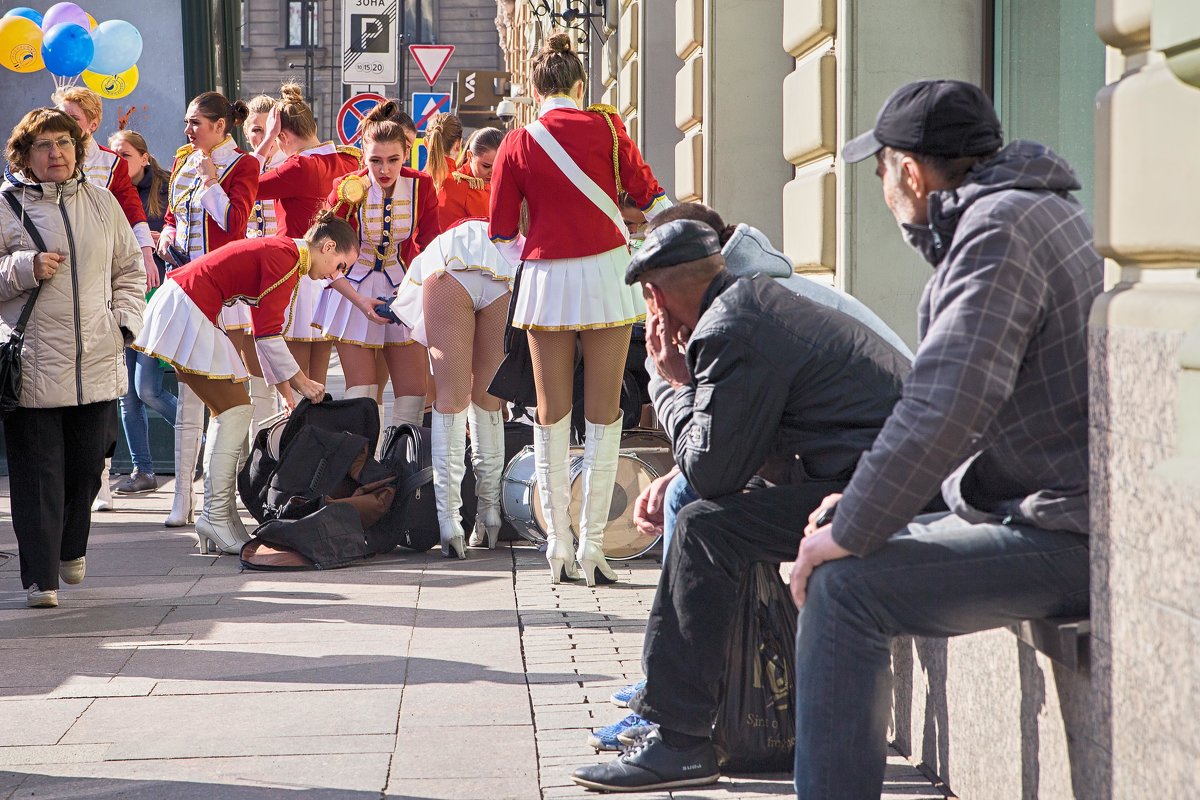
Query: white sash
x=577 y=176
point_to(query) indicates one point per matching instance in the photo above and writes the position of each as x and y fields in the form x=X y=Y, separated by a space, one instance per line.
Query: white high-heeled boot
x=551 y=468
x=219 y=523
x=601 y=449
x=449 y=447
x=487 y=459
x=407 y=409
x=104 y=500
x=189 y=424
x=262 y=399
x=366 y=390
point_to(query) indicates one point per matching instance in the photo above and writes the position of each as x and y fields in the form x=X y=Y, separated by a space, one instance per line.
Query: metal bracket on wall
x=1064 y=639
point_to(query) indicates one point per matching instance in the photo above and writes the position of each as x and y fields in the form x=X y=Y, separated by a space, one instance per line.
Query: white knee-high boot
x=262 y=399
x=551 y=452
x=189 y=423
x=219 y=523
x=104 y=500
x=601 y=450
x=449 y=447
x=407 y=409
x=366 y=390
x=487 y=459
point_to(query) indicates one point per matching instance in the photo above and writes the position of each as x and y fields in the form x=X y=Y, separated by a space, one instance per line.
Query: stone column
x=1145 y=409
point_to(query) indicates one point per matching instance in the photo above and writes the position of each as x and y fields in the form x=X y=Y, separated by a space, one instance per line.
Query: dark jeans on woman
x=55 y=456
x=940 y=576
x=713 y=544
x=145 y=390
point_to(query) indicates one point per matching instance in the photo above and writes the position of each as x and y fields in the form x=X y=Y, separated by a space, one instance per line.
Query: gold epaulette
x=603 y=108
x=352 y=190
x=475 y=183
x=185 y=151
x=347 y=150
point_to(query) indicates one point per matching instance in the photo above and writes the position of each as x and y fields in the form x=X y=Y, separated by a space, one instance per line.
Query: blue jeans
x=940 y=576
x=145 y=389
x=679 y=494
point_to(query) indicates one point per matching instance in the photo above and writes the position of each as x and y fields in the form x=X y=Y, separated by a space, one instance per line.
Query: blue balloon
x=27 y=13
x=118 y=47
x=67 y=49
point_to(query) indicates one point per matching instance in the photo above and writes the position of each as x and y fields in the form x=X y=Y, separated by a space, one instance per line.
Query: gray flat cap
x=677 y=242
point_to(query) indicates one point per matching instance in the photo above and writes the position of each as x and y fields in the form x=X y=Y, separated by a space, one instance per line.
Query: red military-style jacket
x=201 y=220
x=357 y=199
x=563 y=222
x=106 y=169
x=262 y=272
x=301 y=183
x=462 y=195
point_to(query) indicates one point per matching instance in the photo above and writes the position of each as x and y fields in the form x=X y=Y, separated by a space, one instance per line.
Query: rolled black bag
x=755 y=728
x=513 y=380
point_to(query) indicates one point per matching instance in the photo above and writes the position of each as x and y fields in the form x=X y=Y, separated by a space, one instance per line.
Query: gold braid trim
x=608 y=111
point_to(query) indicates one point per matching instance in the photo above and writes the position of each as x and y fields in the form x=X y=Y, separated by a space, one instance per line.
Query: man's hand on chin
x=814 y=551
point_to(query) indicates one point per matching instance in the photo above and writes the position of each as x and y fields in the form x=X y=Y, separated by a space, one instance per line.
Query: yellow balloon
x=112 y=87
x=21 y=44
x=91 y=22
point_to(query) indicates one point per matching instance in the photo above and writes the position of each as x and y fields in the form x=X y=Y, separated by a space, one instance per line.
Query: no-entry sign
x=349 y=121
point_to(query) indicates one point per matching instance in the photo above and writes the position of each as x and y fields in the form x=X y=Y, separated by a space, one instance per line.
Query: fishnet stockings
x=465 y=346
x=553 y=355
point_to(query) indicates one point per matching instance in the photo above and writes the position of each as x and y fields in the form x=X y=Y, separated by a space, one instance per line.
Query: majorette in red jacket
x=106 y=169
x=462 y=196
x=200 y=219
x=300 y=185
x=563 y=223
x=391 y=231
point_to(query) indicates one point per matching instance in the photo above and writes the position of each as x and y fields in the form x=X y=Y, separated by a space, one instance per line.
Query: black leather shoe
x=650 y=765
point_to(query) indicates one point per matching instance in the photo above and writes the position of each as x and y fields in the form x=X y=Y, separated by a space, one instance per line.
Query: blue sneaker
x=606 y=738
x=621 y=697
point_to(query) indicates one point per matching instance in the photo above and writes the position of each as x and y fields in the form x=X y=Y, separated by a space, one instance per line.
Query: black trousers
x=714 y=542
x=55 y=456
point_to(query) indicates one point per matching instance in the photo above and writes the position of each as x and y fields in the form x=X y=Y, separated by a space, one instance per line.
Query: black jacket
x=781 y=386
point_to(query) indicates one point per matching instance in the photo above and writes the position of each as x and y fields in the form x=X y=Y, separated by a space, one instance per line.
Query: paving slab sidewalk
x=169 y=674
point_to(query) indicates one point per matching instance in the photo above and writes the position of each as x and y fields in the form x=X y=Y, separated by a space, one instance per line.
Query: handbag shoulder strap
x=575 y=174
x=40 y=244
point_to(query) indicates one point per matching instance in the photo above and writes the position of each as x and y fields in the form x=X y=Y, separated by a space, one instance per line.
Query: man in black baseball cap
x=994 y=414
x=751 y=380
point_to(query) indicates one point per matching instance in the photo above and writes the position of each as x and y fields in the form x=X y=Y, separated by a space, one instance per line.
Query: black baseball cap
x=677 y=242
x=937 y=118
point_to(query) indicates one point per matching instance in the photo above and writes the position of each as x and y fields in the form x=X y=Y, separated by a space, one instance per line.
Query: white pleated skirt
x=300 y=323
x=342 y=322
x=176 y=330
x=409 y=305
x=235 y=317
x=574 y=294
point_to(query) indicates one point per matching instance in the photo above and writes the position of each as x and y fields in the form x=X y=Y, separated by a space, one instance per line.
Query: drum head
x=622 y=540
x=652 y=447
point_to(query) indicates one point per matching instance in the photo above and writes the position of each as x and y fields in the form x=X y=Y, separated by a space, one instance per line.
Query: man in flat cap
x=764 y=383
x=994 y=411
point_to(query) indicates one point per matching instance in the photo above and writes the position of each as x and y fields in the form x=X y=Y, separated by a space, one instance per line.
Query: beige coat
x=74 y=347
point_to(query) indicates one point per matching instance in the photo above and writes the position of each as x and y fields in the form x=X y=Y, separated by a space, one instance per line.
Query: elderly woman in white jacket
x=73 y=369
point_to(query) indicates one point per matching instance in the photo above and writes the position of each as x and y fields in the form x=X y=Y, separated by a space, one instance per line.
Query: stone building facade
x=745 y=104
x=276 y=45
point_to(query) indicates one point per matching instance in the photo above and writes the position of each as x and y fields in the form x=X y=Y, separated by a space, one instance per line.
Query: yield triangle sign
x=431 y=59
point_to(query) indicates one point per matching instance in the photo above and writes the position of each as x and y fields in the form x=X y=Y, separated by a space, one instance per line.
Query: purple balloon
x=67 y=13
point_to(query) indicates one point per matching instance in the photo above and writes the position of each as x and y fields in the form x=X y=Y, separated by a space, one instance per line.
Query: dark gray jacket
x=997 y=398
x=781 y=385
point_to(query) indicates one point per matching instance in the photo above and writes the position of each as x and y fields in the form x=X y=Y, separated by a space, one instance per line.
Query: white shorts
x=483 y=287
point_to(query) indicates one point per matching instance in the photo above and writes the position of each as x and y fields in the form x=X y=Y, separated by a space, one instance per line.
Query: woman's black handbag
x=514 y=378
x=10 y=351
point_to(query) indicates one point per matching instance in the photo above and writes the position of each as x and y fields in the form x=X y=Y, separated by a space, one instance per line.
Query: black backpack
x=413 y=518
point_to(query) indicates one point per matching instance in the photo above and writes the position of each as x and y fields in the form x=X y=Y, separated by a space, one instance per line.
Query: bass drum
x=644 y=456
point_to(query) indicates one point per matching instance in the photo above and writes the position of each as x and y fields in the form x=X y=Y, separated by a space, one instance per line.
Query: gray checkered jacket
x=997 y=398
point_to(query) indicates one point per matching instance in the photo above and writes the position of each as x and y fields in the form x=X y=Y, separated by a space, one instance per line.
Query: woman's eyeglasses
x=44 y=146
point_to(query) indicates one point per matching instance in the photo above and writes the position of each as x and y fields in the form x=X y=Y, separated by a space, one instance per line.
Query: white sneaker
x=72 y=572
x=39 y=599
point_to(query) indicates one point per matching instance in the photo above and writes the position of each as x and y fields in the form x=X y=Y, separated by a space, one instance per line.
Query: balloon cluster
x=71 y=46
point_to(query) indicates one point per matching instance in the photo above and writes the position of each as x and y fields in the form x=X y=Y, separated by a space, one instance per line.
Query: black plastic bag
x=755 y=729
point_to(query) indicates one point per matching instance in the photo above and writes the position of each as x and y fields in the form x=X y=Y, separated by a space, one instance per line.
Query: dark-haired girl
x=462 y=174
x=569 y=167
x=181 y=327
x=394 y=210
x=213 y=184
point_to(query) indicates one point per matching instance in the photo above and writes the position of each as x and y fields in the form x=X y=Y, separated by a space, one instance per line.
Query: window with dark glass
x=303 y=23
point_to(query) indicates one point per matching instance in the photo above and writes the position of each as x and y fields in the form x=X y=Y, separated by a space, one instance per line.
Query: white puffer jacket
x=74 y=349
